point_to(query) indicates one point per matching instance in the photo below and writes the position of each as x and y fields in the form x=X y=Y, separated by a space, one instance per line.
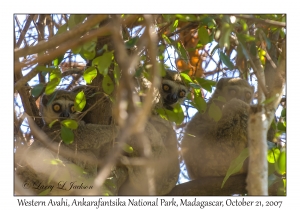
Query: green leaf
x=244 y=50
x=236 y=164
x=224 y=40
x=88 y=55
x=281 y=126
x=177 y=109
x=244 y=24
x=253 y=49
x=199 y=103
x=187 y=17
x=186 y=78
x=182 y=52
x=283 y=112
x=139 y=71
x=71 y=22
x=55 y=162
x=107 y=85
x=75 y=19
x=273 y=155
x=63 y=28
x=226 y=60
x=167 y=17
x=50 y=87
x=67 y=135
x=45 y=192
x=166 y=39
x=214 y=112
x=131 y=42
x=280 y=165
x=57 y=60
x=37 y=90
x=176 y=115
x=174 y=26
x=267 y=40
x=117 y=73
x=89 y=74
x=282 y=33
x=90 y=46
x=245 y=38
x=162 y=69
x=210 y=22
x=203 y=34
x=75 y=168
x=80 y=101
x=282 y=187
x=55 y=77
x=76 y=50
x=127 y=148
x=103 y=62
x=214 y=49
x=206 y=84
x=72 y=124
x=194 y=85
x=55 y=74
x=271 y=170
x=52 y=123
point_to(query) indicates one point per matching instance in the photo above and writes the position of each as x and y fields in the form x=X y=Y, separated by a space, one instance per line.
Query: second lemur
x=209 y=146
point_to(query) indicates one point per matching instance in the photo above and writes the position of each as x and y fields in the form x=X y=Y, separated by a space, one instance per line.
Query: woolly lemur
x=208 y=147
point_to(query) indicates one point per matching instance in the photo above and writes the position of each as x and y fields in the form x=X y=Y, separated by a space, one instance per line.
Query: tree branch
x=77 y=31
x=212 y=186
x=23 y=33
x=55 y=53
x=257 y=20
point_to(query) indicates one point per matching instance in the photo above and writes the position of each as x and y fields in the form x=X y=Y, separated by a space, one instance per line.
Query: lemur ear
x=221 y=83
x=45 y=99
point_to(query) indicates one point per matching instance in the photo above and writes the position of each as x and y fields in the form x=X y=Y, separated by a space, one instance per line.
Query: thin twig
x=55 y=53
x=103 y=31
x=254 y=67
x=267 y=53
x=23 y=33
x=77 y=31
x=43 y=138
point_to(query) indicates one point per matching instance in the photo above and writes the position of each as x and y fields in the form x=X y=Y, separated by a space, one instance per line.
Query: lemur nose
x=172 y=98
x=65 y=114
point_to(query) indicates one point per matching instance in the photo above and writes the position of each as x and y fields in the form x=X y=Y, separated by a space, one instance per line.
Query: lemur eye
x=166 y=88
x=56 y=107
x=72 y=108
x=181 y=94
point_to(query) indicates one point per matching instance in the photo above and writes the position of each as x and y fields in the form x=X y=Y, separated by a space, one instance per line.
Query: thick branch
x=212 y=186
x=257 y=20
x=257 y=179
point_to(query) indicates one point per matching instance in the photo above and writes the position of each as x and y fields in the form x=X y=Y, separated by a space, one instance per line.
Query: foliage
x=205 y=48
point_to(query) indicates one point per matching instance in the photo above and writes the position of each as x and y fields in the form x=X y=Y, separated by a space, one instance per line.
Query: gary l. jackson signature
x=62 y=185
